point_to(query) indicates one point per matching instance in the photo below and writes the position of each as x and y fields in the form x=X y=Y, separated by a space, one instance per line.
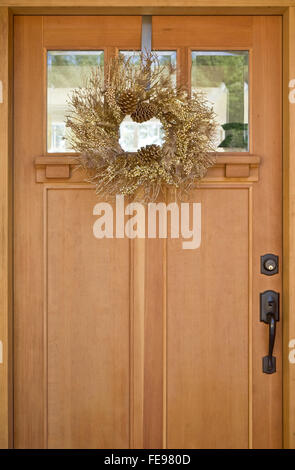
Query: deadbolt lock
x=269 y=264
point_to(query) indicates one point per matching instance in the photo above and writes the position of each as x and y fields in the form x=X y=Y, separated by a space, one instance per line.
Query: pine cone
x=127 y=102
x=143 y=112
x=170 y=118
x=150 y=152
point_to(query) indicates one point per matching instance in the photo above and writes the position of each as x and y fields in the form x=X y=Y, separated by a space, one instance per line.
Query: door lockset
x=269 y=314
x=269 y=264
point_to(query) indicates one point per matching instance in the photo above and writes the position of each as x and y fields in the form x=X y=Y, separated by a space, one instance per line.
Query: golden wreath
x=142 y=90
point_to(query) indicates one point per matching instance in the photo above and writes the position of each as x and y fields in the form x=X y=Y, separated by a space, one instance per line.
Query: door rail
x=232 y=168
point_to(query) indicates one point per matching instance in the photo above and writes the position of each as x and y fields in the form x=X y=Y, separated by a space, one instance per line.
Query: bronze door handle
x=269 y=313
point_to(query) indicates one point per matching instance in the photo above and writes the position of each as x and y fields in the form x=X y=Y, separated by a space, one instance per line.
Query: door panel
x=139 y=343
x=93 y=30
x=207 y=327
x=87 y=330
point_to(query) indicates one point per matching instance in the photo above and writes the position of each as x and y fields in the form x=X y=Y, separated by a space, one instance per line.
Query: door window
x=66 y=70
x=133 y=135
x=223 y=77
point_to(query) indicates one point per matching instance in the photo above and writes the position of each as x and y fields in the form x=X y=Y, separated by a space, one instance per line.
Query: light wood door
x=138 y=343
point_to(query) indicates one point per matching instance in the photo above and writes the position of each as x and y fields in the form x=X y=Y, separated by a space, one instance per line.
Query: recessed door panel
x=88 y=327
x=208 y=327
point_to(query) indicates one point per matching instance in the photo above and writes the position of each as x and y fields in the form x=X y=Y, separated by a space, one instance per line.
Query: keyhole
x=269 y=265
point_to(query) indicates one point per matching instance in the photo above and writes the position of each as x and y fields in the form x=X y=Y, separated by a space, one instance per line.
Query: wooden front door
x=124 y=343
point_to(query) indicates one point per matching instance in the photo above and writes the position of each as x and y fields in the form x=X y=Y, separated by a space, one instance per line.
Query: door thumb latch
x=269 y=314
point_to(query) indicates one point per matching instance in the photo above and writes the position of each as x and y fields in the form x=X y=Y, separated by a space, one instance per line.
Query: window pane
x=223 y=76
x=133 y=135
x=66 y=70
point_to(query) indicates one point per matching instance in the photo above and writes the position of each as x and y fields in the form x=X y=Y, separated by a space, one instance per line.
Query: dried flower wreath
x=143 y=91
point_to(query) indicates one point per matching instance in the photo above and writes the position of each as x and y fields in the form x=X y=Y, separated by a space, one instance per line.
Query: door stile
x=267 y=222
x=289 y=229
x=138 y=266
x=250 y=314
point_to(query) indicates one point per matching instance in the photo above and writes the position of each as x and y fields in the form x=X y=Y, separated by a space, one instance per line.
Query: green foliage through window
x=228 y=73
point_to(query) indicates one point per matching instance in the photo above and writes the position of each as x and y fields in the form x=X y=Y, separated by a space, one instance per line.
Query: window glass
x=66 y=70
x=223 y=76
x=134 y=135
x=165 y=58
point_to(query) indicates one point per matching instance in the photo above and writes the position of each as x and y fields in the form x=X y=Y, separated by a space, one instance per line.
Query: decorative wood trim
x=40 y=162
x=235 y=159
x=45 y=313
x=237 y=171
x=165 y=344
x=151 y=3
x=57 y=171
x=6 y=394
x=250 y=316
x=137 y=302
x=289 y=231
x=159 y=11
x=227 y=168
x=152 y=7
